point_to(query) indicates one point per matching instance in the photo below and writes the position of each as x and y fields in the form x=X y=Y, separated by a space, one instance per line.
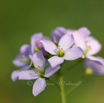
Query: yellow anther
x=22 y=56
x=58 y=46
x=39 y=66
x=59 y=51
x=23 y=60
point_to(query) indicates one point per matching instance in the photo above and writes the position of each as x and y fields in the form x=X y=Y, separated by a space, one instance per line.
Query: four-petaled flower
x=23 y=60
x=38 y=73
x=67 y=44
x=64 y=51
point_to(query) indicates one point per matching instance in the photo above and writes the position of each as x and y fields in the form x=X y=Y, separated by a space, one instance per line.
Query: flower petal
x=50 y=71
x=38 y=60
x=28 y=75
x=35 y=38
x=79 y=41
x=25 y=50
x=49 y=46
x=73 y=53
x=39 y=86
x=98 y=59
x=84 y=32
x=98 y=69
x=59 y=32
x=55 y=60
x=14 y=75
x=94 y=44
x=28 y=66
x=17 y=62
x=66 y=41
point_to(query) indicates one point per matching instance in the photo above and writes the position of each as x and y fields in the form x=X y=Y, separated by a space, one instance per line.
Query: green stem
x=63 y=97
x=70 y=68
x=75 y=86
x=73 y=66
x=53 y=82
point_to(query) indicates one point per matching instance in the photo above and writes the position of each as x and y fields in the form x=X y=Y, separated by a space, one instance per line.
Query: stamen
x=59 y=51
x=25 y=59
x=88 y=48
x=22 y=56
x=39 y=71
x=39 y=66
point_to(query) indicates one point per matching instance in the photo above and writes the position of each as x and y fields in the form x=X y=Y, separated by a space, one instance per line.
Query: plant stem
x=53 y=82
x=73 y=66
x=62 y=91
x=75 y=86
x=69 y=68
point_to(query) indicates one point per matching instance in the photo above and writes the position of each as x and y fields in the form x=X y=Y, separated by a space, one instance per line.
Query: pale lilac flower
x=15 y=74
x=36 y=45
x=92 y=47
x=64 y=50
x=97 y=65
x=88 y=44
x=38 y=73
x=80 y=36
x=59 y=32
x=23 y=60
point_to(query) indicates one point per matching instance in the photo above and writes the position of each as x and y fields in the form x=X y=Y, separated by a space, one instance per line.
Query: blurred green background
x=19 y=19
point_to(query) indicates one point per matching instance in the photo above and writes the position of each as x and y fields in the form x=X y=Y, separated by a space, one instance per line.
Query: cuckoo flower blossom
x=22 y=60
x=36 y=45
x=39 y=73
x=64 y=50
x=92 y=47
x=79 y=34
x=59 y=32
x=88 y=44
x=95 y=66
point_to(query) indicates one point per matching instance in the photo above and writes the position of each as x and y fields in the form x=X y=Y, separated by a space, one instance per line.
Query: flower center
x=25 y=59
x=37 y=49
x=59 y=51
x=88 y=48
x=40 y=72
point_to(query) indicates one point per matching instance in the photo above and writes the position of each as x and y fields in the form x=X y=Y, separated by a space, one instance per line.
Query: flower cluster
x=44 y=57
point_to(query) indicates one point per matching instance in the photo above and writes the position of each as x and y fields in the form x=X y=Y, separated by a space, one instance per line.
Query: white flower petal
x=49 y=46
x=98 y=69
x=26 y=50
x=38 y=60
x=98 y=59
x=35 y=38
x=14 y=75
x=84 y=32
x=73 y=53
x=66 y=41
x=55 y=60
x=50 y=71
x=94 y=44
x=28 y=75
x=39 y=86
